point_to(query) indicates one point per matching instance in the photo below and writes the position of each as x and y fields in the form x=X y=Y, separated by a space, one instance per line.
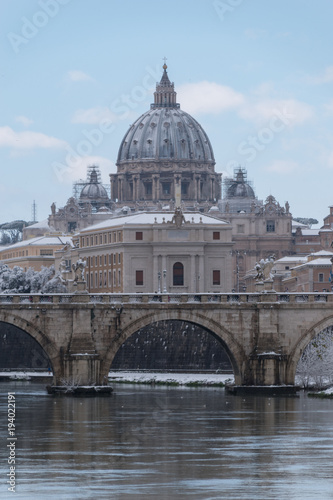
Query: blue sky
x=257 y=75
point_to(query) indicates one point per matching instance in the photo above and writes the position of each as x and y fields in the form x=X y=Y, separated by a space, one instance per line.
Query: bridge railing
x=172 y=298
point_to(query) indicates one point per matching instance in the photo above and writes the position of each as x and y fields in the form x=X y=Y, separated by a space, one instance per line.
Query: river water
x=167 y=443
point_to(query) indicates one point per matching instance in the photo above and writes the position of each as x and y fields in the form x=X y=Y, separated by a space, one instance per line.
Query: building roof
x=52 y=240
x=150 y=218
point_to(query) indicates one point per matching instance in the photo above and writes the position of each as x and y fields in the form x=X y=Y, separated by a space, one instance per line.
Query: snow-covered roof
x=291 y=258
x=146 y=218
x=43 y=224
x=295 y=224
x=316 y=263
x=310 y=232
x=322 y=253
x=40 y=241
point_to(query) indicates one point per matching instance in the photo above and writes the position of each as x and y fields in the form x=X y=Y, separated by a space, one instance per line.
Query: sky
x=256 y=74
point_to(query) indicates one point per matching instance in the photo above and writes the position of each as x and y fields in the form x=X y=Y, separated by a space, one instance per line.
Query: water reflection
x=169 y=443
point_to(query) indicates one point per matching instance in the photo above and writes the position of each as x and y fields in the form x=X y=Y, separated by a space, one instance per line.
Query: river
x=166 y=443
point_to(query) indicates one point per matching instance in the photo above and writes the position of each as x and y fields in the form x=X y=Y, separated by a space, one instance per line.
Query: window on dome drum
x=320 y=277
x=216 y=277
x=139 y=278
x=270 y=226
x=184 y=188
x=148 y=188
x=166 y=187
x=178 y=274
x=139 y=235
x=216 y=235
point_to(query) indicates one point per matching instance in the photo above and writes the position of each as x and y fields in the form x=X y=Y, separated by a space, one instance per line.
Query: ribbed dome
x=94 y=191
x=166 y=134
x=239 y=188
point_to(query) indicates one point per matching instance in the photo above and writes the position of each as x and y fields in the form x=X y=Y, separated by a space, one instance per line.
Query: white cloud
x=24 y=120
x=325 y=77
x=208 y=97
x=282 y=166
x=255 y=34
x=94 y=115
x=79 y=76
x=28 y=140
x=262 y=111
x=78 y=170
x=329 y=107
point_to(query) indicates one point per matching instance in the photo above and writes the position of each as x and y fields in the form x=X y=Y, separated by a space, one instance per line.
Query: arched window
x=178 y=274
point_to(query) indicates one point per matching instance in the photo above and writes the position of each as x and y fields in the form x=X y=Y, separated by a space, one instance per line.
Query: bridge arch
x=46 y=344
x=306 y=338
x=232 y=347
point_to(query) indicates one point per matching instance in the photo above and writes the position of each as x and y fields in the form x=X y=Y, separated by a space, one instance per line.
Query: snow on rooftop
x=145 y=218
x=43 y=224
x=317 y=263
x=323 y=252
x=41 y=241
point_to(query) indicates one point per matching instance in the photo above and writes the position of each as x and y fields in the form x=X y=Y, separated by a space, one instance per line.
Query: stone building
x=165 y=146
x=154 y=252
x=90 y=206
x=259 y=229
x=34 y=252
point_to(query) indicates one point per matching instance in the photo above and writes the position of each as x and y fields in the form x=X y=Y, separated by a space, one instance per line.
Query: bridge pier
x=81 y=369
x=267 y=369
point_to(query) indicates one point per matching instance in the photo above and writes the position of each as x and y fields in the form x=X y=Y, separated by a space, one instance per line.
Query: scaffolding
x=79 y=185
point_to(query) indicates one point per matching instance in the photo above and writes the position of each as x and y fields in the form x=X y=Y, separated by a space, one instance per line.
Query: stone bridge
x=264 y=334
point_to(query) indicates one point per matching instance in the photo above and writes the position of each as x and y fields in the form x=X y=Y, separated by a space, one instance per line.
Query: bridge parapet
x=172 y=298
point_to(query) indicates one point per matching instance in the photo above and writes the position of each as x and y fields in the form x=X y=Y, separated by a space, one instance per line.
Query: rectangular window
x=110 y=238
x=216 y=235
x=119 y=258
x=320 y=277
x=139 y=278
x=139 y=235
x=114 y=258
x=105 y=260
x=100 y=239
x=114 y=278
x=45 y=252
x=96 y=280
x=91 y=240
x=96 y=261
x=270 y=226
x=119 y=236
x=119 y=277
x=240 y=228
x=110 y=259
x=110 y=279
x=105 y=238
x=216 y=277
x=100 y=260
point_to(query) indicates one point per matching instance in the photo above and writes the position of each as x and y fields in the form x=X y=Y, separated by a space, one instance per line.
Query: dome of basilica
x=165 y=150
x=165 y=133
